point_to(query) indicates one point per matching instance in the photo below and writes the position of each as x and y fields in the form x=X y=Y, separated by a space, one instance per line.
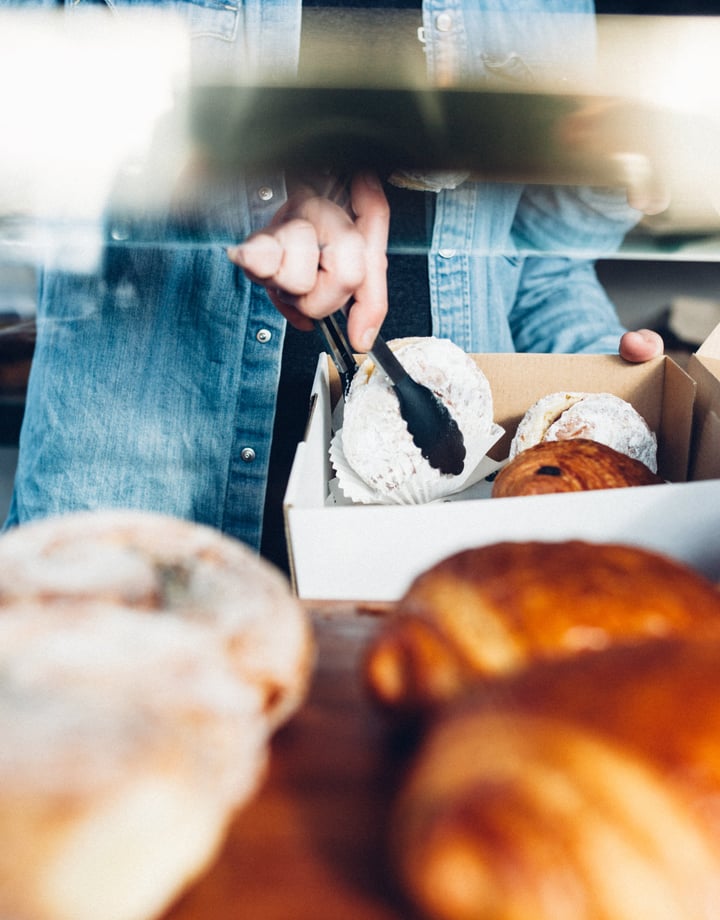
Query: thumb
x=641 y=345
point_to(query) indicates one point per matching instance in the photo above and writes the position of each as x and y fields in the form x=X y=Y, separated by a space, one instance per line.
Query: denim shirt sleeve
x=560 y=306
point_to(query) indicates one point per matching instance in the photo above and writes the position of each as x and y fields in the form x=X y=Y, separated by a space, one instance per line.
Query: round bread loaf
x=495 y=609
x=577 y=465
x=374 y=443
x=601 y=417
x=176 y=568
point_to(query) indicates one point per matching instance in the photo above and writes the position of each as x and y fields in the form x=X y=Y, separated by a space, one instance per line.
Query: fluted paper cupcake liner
x=348 y=487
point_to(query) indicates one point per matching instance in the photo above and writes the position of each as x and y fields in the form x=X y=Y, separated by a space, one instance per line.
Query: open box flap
x=710 y=348
x=676 y=423
x=706 y=456
x=704 y=367
x=310 y=472
x=305 y=488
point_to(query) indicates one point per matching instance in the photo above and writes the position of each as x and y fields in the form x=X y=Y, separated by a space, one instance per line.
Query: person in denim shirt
x=154 y=381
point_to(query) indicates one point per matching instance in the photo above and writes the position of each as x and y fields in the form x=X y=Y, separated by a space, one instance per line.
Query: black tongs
x=428 y=419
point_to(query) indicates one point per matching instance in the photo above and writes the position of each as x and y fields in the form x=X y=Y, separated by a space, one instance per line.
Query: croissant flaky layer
x=581 y=789
x=495 y=609
x=576 y=465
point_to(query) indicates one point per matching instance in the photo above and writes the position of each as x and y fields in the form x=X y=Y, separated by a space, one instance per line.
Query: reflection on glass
x=93 y=104
x=157 y=362
x=619 y=101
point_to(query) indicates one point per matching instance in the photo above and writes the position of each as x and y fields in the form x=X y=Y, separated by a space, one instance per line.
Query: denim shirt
x=488 y=292
x=163 y=366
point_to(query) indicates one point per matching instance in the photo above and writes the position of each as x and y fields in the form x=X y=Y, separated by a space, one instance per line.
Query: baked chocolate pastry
x=495 y=609
x=577 y=465
x=585 y=789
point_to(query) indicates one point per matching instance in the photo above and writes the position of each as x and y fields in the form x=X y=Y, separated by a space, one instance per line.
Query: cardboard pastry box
x=372 y=552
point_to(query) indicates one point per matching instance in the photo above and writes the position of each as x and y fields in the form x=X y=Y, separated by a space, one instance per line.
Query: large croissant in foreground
x=495 y=609
x=582 y=789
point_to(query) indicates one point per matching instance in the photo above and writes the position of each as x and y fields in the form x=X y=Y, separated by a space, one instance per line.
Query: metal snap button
x=247 y=454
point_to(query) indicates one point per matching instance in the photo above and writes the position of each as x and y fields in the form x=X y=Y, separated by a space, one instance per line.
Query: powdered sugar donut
x=176 y=568
x=144 y=664
x=375 y=442
x=128 y=745
x=601 y=417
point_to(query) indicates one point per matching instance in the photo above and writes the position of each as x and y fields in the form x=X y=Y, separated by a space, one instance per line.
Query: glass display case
x=552 y=179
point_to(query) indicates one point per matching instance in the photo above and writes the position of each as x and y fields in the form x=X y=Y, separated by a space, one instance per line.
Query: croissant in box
x=577 y=465
x=494 y=609
x=583 y=789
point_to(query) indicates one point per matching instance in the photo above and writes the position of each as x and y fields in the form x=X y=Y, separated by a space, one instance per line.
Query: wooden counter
x=311 y=845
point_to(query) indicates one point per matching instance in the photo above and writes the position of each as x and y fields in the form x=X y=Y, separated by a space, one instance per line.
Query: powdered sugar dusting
x=159 y=564
x=540 y=416
x=375 y=440
x=611 y=421
x=144 y=664
x=72 y=569
x=601 y=417
x=90 y=693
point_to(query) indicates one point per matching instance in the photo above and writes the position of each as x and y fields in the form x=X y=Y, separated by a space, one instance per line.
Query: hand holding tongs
x=428 y=420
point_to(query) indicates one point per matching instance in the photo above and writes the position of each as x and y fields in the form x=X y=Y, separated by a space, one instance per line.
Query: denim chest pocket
x=204 y=18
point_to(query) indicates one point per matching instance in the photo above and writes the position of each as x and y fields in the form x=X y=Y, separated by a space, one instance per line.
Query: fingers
x=313 y=261
x=340 y=259
x=285 y=258
x=314 y=257
x=641 y=345
x=607 y=129
x=649 y=197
